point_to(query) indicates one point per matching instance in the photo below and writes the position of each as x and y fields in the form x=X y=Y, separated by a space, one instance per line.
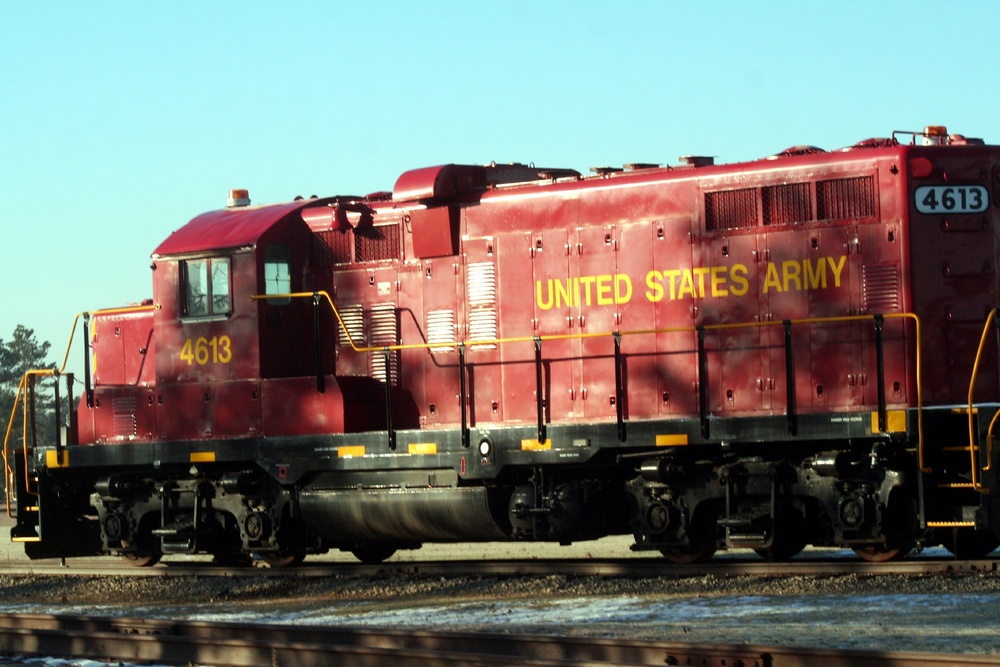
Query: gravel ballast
x=950 y=614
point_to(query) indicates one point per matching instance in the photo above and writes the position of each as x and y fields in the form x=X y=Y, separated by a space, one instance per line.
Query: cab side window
x=205 y=288
x=277 y=273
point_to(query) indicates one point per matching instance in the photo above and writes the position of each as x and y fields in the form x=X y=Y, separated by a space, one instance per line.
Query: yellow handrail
x=635 y=332
x=22 y=388
x=495 y=341
x=976 y=482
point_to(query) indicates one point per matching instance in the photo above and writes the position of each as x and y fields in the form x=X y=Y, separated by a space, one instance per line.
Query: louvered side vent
x=354 y=319
x=846 y=198
x=123 y=416
x=731 y=209
x=373 y=244
x=482 y=314
x=383 y=330
x=483 y=326
x=787 y=204
x=332 y=247
x=881 y=288
x=441 y=329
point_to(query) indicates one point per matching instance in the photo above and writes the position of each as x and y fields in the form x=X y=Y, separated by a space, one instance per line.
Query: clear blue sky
x=120 y=121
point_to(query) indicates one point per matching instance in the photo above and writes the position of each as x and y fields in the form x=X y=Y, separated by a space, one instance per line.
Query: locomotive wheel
x=141 y=560
x=688 y=557
x=879 y=553
x=969 y=544
x=789 y=537
x=780 y=552
x=143 y=556
x=371 y=554
x=232 y=559
x=279 y=561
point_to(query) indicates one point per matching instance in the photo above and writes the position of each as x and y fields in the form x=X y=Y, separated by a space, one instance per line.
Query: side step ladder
x=26 y=506
x=957 y=475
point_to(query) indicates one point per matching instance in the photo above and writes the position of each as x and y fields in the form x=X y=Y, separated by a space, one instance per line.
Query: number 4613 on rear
x=939 y=199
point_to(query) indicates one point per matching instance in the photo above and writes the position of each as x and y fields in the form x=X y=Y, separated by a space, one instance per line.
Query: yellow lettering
x=203 y=351
x=687 y=284
x=814 y=278
x=719 y=281
x=588 y=283
x=696 y=282
x=654 y=293
x=604 y=291
x=672 y=275
x=563 y=293
x=772 y=279
x=623 y=296
x=186 y=352
x=543 y=304
x=225 y=350
x=837 y=268
x=701 y=272
x=791 y=270
x=738 y=275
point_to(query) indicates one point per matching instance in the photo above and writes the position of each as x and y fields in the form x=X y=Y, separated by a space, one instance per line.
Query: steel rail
x=252 y=645
x=624 y=568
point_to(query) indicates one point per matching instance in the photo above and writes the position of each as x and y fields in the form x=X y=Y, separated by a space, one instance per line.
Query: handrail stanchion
x=58 y=417
x=320 y=377
x=87 y=386
x=539 y=400
x=702 y=382
x=790 y=407
x=387 y=356
x=619 y=388
x=880 y=372
x=462 y=388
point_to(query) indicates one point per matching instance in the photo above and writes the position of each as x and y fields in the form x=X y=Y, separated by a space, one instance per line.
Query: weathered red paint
x=469 y=253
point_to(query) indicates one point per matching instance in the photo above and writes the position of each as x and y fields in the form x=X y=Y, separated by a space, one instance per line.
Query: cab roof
x=225 y=229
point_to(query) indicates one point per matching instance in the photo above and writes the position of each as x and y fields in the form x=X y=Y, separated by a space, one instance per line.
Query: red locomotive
x=771 y=354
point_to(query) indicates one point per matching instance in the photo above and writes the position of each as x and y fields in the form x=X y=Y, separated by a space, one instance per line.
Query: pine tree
x=17 y=356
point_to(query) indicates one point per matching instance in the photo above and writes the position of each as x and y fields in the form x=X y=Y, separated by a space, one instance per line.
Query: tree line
x=21 y=353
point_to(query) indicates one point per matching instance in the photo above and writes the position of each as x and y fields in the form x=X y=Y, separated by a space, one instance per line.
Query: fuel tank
x=400 y=510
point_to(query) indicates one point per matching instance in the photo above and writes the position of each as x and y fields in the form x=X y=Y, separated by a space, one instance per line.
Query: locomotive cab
x=223 y=351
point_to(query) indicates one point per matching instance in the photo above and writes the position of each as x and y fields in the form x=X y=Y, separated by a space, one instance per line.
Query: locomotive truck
x=798 y=350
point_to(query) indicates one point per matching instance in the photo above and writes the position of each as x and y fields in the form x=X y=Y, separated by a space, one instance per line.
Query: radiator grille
x=373 y=244
x=731 y=209
x=332 y=247
x=846 y=198
x=787 y=204
x=791 y=203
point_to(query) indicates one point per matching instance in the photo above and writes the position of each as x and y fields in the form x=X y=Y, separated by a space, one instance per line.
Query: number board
x=943 y=199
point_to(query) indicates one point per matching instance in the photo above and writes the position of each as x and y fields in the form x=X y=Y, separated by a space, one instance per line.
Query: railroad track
x=626 y=567
x=246 y=645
